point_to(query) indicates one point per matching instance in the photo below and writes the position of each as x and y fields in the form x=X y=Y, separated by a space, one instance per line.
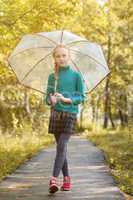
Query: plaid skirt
x=62 y=122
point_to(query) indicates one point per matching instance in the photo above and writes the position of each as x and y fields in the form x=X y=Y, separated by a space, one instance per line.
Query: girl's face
x=61 y=56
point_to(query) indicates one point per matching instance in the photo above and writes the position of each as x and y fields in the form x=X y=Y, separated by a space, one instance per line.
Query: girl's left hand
x=59 y=96
x=62 y=98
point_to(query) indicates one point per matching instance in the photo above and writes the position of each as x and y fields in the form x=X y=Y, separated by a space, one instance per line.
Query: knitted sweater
x=70 y=84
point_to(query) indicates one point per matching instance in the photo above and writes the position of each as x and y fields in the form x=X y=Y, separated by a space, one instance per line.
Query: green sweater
x=70 y=84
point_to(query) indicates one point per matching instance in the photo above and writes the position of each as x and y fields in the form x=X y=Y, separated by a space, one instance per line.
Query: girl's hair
x=59 y=46
x=56 y=67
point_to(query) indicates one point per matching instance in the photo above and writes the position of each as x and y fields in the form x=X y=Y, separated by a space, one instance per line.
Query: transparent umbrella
x=32 y=59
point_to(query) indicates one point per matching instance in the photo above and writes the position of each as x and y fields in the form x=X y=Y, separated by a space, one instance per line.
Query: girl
x=64 y=109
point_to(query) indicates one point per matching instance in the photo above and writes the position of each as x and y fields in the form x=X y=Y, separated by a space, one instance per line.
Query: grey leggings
x=60 y=159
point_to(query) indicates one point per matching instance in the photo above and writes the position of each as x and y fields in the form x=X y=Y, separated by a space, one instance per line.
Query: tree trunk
x=122 y=109
x=97 y=108
x=106 y=110
x=106 y=103
x=121 y=117
x=26 y=103
x=93 y=110
x=110 y=116
x=109 y=45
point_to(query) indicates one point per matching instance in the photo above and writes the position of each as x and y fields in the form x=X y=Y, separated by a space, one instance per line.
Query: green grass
x=15 y=149
x=118 y=149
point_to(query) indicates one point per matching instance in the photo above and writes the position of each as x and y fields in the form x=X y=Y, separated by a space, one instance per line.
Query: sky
x=101 y=2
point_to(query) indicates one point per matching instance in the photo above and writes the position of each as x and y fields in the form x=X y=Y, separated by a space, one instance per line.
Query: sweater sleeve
x=79 y=95
x=50 y=88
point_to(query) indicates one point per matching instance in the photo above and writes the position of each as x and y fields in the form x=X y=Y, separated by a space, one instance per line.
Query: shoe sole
x=53 y=189
x=62 y=189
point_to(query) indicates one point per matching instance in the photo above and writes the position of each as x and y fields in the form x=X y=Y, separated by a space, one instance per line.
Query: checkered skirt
x=62 y=122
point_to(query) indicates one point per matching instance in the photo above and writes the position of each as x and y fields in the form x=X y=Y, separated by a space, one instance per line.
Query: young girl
x=64 y=109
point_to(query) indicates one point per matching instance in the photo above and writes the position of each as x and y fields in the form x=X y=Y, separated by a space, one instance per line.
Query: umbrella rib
x=35 y=66
x=46 y=38
x=31 y=49
x=77 y=42
x=61 y=36
x=23 y=83
x=99 y=82
x=89 y=57
x=80 y=73
x=85 y=80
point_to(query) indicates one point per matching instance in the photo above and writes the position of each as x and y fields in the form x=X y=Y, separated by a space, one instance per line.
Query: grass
x=15 y=149
x=117 y=146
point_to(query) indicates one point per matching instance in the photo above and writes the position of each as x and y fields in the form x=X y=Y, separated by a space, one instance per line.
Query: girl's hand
x=62 y=98
x=53 y=99
x=59 y=96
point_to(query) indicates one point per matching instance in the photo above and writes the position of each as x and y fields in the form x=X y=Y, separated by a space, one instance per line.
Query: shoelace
x=53 y=181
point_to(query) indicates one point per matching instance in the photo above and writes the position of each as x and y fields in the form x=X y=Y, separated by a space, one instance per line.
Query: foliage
x=22 y=110
x=118 y=149
x=14 y=150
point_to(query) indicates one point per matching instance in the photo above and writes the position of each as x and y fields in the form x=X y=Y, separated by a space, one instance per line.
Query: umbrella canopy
x=32 y=59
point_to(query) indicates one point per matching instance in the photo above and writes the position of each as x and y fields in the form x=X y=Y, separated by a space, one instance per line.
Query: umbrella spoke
x=31 y=49
x=46 y=38
x=32 y=59
x=99 y=82
x=80 y=73
x=85 y=79
x=35 y=66
x=61 y=36
x=89 y=57
x=77 y=41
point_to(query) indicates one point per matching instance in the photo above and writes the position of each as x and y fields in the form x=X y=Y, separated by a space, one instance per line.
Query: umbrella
x=32 y=59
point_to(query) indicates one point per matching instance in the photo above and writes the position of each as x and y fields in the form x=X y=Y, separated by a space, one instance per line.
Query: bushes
x=14 y=150
x=23 y=128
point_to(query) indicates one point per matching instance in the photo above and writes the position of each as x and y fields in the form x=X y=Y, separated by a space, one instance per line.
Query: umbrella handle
x=56 y=69
x=55 y=86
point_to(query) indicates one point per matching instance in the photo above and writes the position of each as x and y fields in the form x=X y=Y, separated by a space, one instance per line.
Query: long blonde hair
x=56 y=67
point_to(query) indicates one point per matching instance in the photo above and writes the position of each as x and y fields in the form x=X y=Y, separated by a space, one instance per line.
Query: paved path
x=91 y=178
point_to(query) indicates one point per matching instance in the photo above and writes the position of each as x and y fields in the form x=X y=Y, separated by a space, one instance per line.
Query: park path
x=91 y=178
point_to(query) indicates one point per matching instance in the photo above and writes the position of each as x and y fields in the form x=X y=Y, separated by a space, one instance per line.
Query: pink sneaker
x=53 y=185
x=66 y=184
